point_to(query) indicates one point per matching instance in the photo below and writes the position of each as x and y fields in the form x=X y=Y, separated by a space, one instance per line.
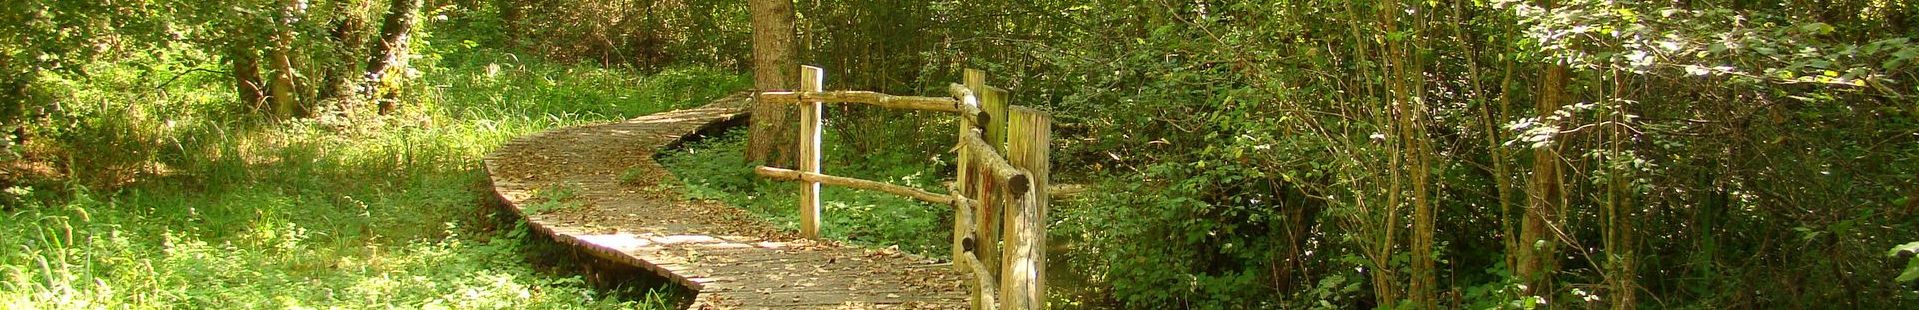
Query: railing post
x=811 y=80
x=963 y=216
x=998 y=197
x=994 y=101
x=969 y=187
x=1023 y=269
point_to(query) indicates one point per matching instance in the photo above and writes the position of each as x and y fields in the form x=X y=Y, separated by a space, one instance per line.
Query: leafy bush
x=178 y=201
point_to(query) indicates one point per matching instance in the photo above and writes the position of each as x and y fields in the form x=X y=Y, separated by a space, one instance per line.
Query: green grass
x=174 y=198
x=554 y=198
x=716 y=169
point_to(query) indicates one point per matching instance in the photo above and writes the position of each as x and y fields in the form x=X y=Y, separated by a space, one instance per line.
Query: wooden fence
x=999 y=196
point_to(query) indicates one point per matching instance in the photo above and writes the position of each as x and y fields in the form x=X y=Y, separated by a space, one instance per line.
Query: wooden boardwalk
x=598 y=188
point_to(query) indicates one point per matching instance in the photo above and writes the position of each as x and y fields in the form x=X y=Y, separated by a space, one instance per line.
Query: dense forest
x=1238 y=154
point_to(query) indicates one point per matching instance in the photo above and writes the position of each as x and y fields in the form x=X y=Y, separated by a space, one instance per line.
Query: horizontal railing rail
x=1000 y=189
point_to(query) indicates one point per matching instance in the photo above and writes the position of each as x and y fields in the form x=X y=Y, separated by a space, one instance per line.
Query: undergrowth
x=169 y=196
x=554 y=198
x=716 y=169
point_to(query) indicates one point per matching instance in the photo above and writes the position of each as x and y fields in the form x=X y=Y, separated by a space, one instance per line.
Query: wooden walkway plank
x=731 y=259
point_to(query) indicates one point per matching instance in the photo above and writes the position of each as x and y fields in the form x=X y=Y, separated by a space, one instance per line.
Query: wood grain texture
x=1023 y=269
x=963 y=188
x=811 y=79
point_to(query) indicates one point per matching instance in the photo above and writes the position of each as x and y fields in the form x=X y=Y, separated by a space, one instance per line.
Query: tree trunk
x=1502 y=167
x=1409 y=105
x=390 y=52
x=1621 y=245
x=511 y=13
x=771 y=139
x=1377 y=242
x=1545 y=196
x=1545 y=193
x=349 y=45
x=245 y=60
x=285 y=84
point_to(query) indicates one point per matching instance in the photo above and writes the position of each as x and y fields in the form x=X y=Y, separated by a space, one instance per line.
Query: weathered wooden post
x=993 y=197
x=811 y=80
x=993 y=101
x=969 y=186
x=1023 y=271
x=963 y=214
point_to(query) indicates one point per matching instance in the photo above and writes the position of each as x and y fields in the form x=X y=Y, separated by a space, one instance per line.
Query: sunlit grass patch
x=716 y=169
x=175 y=200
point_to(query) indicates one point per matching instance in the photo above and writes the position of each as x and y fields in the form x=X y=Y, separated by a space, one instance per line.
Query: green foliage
x=715 y=169
x=504 y=84
x=1912 y=263
x=1270 y=127
x=633 y=176
x=89 y=253
x=1246 y=154
x=557 y=197
x=178 y=200
x=640 y=35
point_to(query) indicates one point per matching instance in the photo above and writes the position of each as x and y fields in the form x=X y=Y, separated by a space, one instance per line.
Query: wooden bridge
x=597 y=188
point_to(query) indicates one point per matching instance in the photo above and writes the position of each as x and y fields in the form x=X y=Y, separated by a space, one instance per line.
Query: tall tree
x=1621 y=251
x=1409 y=99
x=390 y=51
x=244 y=57
x=1545 y=194
x=285 y=84
x=770 y=140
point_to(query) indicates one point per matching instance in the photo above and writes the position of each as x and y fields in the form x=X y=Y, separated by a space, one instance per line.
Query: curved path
x=598 y=188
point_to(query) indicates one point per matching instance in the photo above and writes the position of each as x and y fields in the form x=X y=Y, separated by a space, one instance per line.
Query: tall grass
x=173 y=197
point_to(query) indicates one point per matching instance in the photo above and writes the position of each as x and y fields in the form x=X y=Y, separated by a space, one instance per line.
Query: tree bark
x=1621 y=245
x=770 y=141
x=285 y=96
x=390 y=52
x=1501 y=157
x=245 y=59
x=284 y=85
x=1409 y=107
x=1546 y=195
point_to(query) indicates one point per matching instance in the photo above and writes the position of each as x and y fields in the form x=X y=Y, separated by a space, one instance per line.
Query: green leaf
x=1912 y=271
x=1912 y=247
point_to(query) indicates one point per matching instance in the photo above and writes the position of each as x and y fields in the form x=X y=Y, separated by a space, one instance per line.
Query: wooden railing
x=999 y=201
